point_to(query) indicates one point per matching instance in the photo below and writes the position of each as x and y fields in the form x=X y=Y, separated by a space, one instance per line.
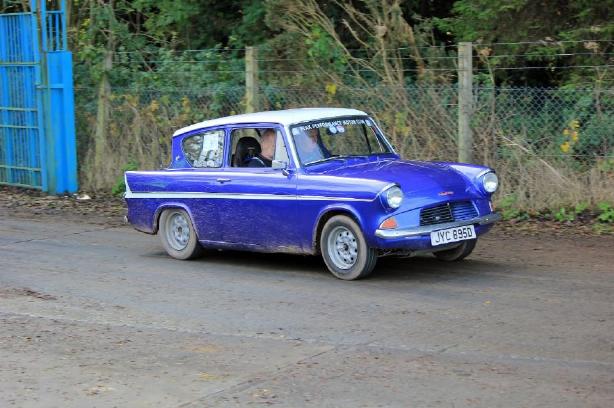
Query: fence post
x=465 y=102
x=251 y=80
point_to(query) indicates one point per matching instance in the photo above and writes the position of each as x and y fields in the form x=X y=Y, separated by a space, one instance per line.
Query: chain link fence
x=551 y=147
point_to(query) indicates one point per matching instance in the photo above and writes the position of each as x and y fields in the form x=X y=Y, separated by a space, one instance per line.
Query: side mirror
x=280 y=165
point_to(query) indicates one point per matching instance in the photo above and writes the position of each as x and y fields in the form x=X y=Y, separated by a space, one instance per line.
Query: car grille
x=448 y=212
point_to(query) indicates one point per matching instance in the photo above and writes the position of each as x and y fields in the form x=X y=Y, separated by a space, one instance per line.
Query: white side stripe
x=238 y=196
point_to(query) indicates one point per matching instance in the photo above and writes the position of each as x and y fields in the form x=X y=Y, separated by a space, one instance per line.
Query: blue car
x=309 y=181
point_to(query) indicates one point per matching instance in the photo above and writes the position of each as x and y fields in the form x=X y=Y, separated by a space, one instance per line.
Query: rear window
x=205 y=149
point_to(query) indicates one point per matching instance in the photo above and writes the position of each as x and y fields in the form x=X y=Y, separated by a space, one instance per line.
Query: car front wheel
x=457 y=254
x=345 y=250
x=178 y=235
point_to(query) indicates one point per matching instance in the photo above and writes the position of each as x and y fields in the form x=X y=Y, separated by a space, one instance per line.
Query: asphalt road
x=95 y=316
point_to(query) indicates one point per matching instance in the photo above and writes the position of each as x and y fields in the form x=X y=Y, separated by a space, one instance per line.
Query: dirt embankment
x=95 y=209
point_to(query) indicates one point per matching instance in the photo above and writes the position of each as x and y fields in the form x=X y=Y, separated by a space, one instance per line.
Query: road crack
x=25 y=241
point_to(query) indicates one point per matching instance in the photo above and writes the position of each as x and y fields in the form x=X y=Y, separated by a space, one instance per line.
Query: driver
x=267 y=145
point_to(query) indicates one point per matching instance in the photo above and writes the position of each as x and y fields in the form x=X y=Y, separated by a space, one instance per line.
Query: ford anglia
x=309 y=181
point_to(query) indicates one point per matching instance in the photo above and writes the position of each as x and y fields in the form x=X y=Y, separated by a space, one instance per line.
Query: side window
x=281 y=153
x=204 y=149
x=257 y=147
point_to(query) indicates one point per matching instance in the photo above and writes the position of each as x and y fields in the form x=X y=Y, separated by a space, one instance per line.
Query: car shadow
x=422 y=268
x=278 y=262
x=427 y=269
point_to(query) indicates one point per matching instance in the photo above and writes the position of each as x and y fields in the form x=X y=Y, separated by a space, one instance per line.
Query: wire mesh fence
x=550 y=146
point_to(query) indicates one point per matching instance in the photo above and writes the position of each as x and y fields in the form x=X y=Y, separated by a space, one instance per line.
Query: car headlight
x=393 y=197
x=490 y=182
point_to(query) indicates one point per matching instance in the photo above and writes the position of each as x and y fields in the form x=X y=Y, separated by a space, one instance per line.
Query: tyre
x=178 y=235
x=457 y=254
x=345 y=250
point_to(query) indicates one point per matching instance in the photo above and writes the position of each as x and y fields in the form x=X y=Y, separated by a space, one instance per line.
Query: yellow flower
x=154 y=106
x=574 y=136
x=575 y=124
x=185 y=103
x=565 y=147
x=331 y=89
x=566 y=132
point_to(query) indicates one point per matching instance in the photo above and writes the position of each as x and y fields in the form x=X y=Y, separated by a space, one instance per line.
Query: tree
x=562 y=36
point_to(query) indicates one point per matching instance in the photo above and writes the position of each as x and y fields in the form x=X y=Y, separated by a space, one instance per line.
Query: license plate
x=452 y=235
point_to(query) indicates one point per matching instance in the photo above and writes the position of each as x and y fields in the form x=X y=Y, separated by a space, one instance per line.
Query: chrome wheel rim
x=177 y=231
x=342 y=247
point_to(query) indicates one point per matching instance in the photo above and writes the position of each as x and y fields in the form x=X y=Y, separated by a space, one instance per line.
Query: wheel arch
x=325 y=215
x=170 y=205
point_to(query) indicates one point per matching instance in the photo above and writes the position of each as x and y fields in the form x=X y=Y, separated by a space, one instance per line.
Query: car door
x=194 y=179
x=258 y=205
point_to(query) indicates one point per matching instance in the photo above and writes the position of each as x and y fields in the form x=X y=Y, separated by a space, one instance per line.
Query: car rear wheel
x=178 y=235
x=457 y=254
x=345 y=250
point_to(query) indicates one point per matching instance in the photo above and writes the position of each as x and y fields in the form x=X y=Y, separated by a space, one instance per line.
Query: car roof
x=283 y=117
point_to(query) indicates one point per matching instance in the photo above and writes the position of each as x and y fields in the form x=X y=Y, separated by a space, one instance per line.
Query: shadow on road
x=423 y=268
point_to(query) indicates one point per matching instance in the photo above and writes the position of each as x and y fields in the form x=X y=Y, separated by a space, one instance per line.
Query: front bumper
x=427 y=229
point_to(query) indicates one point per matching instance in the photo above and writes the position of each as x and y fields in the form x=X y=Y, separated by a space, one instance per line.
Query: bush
x=606 y=212
x=120 y=185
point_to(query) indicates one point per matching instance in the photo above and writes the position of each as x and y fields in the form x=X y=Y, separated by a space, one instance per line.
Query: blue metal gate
x=37 y=131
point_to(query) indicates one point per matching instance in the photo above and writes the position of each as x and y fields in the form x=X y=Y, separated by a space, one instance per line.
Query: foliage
x=120 y=185
x=148 y=37
x=509 y=209
x=564 y=214
x=581 y=207
x=538 y=33
x=606 y=212
x=602 y=229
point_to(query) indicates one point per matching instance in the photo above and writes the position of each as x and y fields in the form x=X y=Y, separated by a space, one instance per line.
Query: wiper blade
x=333 y=157
x=336 y=157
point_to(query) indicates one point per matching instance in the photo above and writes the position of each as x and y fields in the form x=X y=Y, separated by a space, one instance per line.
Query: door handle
x=223 y=180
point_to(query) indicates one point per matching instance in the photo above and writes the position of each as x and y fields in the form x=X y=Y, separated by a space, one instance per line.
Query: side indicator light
x=389 y=223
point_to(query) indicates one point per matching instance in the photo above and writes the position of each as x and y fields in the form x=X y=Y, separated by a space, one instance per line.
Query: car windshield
x=327 y=139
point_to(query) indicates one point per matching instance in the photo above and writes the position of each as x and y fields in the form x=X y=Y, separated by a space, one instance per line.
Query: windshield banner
x=334 y=123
